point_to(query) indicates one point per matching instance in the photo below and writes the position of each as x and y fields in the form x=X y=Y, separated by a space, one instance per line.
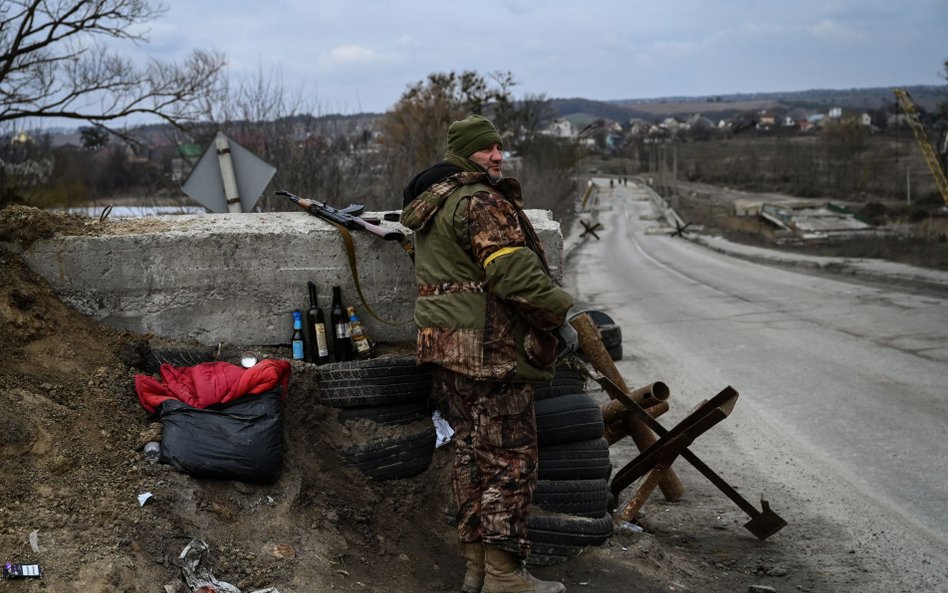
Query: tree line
x=56 y=61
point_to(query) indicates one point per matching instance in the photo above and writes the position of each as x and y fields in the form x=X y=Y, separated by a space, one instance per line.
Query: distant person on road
x=492 y=321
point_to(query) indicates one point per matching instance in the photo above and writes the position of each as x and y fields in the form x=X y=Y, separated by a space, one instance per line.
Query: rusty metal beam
x=590 y=341
x=647 y=396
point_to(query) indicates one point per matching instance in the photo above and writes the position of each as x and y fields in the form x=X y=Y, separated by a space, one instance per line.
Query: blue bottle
x=297 y=340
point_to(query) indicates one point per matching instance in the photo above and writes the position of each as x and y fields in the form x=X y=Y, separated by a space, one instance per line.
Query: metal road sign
x=227 y=172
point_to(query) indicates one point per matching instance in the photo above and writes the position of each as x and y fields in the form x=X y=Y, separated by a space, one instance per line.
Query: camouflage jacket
x=486 y=305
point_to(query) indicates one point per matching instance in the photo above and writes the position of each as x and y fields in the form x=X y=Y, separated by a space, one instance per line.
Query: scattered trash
x=629 y=527
x=201 y=579
x=442 y=428
x=143 y=498
x=21 y=571
x=248 y=359
x=34 y=541
x=152 y=451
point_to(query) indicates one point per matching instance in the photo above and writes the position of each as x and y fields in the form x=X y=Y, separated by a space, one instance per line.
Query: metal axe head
x=765 y=523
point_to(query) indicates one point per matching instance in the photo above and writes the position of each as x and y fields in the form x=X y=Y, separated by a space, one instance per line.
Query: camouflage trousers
x=494 y=472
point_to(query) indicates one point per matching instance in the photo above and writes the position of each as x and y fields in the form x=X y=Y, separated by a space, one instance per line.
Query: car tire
x=568 y=418
x=386 y=415
x=393 y=457
x=577 y=460
x=556 y=538
x=582 y=498
x=376 y=382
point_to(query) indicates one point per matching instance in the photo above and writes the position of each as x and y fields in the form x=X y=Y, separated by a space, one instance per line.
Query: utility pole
x=908 y=185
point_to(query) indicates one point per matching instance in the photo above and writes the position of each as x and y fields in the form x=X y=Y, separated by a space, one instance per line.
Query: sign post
x=228 y=177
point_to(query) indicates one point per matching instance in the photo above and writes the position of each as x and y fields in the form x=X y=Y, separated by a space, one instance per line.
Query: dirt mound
x=71 y=449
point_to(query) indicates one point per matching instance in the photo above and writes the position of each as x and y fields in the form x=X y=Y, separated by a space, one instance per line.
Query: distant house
x=671 y=124
x=811 y=122
x=865 y=120
x=788 y=122
x=639 y=127
x=897 y=120
x=560 y=128
x=699 y=122
x=765 y=120
x=835 y=113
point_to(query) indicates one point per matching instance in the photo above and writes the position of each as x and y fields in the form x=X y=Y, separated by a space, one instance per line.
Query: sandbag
x=241 y=440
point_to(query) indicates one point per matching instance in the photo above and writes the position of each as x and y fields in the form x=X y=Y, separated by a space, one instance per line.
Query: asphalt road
x=850 y=381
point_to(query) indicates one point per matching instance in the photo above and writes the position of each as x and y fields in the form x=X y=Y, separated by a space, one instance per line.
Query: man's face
x=491 y=158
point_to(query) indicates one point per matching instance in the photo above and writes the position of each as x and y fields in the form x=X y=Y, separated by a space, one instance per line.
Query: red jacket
x=211 y=383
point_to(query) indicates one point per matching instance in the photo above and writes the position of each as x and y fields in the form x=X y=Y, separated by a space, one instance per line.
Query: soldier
x=492 y=321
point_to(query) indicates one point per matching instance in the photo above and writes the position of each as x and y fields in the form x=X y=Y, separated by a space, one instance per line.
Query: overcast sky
x=360 y=55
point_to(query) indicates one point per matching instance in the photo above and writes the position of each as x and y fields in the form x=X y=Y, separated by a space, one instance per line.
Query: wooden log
x=591 y=343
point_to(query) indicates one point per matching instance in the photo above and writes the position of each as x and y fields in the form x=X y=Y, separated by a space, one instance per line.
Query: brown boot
x=474 y=579
x=506 y=574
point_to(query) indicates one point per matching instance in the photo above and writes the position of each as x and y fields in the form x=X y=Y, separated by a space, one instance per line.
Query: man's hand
x=567 y=341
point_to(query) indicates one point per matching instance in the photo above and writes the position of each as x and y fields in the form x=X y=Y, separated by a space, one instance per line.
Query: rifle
x=347 y=216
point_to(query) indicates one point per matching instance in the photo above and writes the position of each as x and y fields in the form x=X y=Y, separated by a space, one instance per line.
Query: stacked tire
x=390 y=391
x=571 y=501
x=609 y=330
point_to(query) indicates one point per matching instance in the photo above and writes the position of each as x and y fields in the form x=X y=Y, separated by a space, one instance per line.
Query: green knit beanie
x=473 y=133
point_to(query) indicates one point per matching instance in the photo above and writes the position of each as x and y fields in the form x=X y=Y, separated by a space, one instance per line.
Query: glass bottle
x=342 y=344
x=360 y=339
x=296 y=341
x=316 y=322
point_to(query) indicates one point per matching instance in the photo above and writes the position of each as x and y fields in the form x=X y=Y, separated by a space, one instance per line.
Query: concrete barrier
x=233 y=278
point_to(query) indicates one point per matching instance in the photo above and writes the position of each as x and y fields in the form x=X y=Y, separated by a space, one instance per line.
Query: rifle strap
x=350 y=252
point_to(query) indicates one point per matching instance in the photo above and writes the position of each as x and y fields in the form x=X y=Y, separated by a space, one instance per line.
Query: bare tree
x=413 y=132
x=413 y=135
x=329 y=158
x=54 y=62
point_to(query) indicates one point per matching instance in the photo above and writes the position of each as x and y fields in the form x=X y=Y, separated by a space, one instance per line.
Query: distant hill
x=582 y=111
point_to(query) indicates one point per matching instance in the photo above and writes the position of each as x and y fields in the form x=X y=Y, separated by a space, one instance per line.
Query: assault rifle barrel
x=345 y=216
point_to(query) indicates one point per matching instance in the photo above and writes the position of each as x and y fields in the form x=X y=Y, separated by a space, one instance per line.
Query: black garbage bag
x=240 y=440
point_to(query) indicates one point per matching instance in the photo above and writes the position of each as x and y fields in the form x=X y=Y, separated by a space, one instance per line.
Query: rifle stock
x=344 y=216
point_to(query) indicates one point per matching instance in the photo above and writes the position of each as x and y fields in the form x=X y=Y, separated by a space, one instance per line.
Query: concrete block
x=234 y=278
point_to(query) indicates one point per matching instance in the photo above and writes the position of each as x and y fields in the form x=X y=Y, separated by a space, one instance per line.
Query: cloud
x=830 y=30
x=351 y=53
